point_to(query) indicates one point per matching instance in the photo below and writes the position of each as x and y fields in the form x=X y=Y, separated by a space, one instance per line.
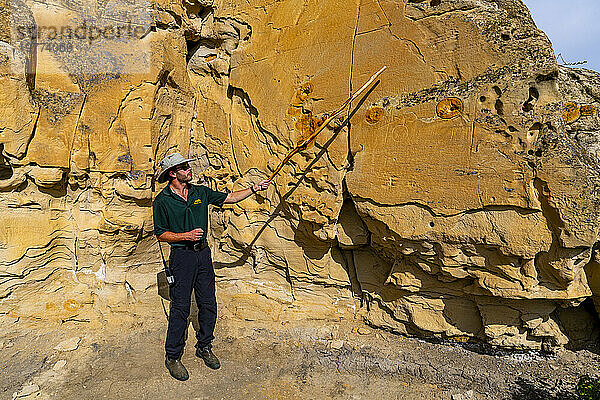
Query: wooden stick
x=304 y=144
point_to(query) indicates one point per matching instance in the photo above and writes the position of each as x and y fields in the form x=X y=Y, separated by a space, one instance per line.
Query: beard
x=184 y=177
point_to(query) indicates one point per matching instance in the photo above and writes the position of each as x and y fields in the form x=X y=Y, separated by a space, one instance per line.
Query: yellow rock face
x=451 y=197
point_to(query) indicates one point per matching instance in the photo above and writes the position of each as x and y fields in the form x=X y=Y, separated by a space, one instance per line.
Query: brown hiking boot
x=208 y=356
x=176 y=369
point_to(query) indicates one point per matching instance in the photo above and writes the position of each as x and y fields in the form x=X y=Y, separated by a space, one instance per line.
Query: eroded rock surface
x=457 y=199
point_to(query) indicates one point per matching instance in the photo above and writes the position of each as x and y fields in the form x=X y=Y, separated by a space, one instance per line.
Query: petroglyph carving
x=449 y=107
x=305 y=142
x=374 y=114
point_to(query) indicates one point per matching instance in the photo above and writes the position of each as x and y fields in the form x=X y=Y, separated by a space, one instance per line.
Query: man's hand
x=262 y=185
x=194 y=235
x=242 y=194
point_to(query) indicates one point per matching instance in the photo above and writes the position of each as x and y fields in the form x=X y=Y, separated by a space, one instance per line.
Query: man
x=181 y=218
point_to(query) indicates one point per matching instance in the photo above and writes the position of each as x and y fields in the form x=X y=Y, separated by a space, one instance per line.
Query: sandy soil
x=317 y=360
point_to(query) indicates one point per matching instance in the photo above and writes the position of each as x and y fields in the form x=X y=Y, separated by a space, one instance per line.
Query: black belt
x=196 y=246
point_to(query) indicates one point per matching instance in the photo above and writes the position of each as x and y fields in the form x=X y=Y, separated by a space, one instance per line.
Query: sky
x=573 y=27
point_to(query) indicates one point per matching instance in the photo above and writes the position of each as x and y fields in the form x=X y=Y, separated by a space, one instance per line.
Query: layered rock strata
x=456 y=200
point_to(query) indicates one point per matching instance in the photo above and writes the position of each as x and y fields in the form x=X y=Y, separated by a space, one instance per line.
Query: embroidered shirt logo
x=197 y=201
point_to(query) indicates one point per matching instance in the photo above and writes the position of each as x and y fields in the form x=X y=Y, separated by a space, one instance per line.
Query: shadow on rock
x=539 y=390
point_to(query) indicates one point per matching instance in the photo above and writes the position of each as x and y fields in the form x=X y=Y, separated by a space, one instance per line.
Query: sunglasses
x=183 y=167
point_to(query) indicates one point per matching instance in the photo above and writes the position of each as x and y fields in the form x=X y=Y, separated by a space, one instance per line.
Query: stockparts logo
x=79 y=37
x=197 y=201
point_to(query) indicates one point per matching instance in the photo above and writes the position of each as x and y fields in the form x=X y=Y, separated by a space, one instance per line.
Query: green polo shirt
x=172 y=213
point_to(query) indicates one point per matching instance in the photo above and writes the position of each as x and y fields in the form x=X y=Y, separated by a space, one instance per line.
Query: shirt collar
x=170 y=192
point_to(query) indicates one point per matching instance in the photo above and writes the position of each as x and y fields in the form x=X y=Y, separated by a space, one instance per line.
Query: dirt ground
x=318 y=360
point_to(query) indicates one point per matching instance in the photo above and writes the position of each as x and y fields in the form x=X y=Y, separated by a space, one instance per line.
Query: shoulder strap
x=162 y=256
x=165 y=266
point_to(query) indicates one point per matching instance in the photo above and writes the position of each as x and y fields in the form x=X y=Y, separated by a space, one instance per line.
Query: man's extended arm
x=240 y=195
x=171 y=237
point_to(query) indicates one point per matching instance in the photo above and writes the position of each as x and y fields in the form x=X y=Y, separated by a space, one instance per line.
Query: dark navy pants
x=192 y=270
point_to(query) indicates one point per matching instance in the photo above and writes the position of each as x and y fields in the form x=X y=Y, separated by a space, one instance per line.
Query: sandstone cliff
x=457 y=200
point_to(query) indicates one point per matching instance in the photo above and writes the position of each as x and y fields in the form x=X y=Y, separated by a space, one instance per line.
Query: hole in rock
x=352 y=231
x=534 y=93
x=505 y=36
x=432 y=224
x=499 y=106
x=588 y=305
x=548 y=77
x=195 y=10
x=435 y=3
x=6 y=170
x=579 y=324
x=203 y=47
x=482 y=99
x=534 y=131
x=505 y=134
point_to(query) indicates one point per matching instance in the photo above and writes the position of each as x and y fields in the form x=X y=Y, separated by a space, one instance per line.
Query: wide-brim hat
x=170 y=161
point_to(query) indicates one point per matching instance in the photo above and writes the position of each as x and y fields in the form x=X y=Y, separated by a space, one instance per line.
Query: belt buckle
x=197 y=246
